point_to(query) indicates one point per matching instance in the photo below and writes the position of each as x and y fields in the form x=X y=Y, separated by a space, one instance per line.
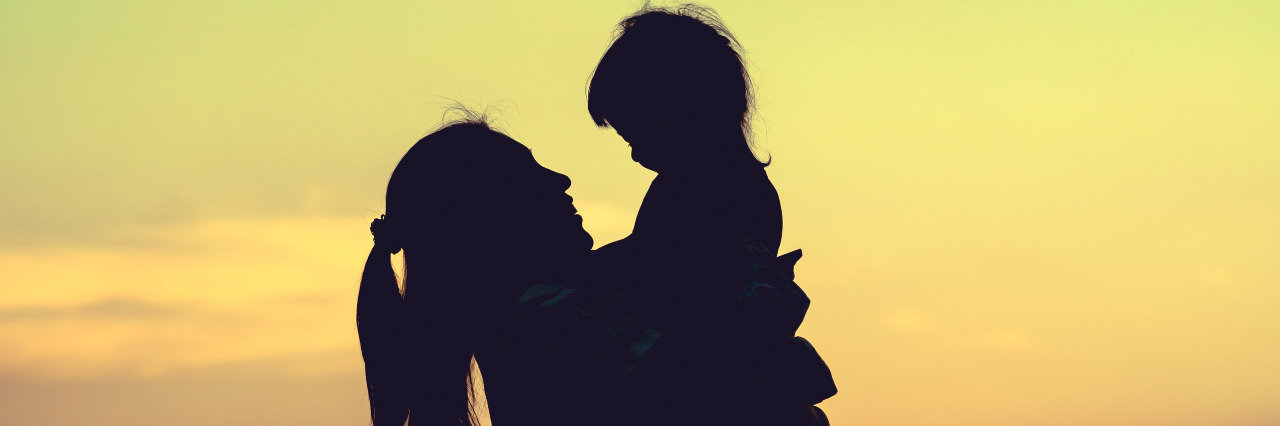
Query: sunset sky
x=1012 y=213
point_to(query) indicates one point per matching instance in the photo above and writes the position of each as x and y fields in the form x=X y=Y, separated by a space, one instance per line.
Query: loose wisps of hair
x=491 y=115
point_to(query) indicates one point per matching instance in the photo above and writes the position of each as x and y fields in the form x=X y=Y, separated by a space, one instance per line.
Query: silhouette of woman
x=478 y=220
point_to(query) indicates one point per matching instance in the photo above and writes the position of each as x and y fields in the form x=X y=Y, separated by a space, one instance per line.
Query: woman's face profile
x=529 y=200
x=475 y=189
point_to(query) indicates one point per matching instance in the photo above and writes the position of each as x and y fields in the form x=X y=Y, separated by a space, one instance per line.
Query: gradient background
x=1013 y=213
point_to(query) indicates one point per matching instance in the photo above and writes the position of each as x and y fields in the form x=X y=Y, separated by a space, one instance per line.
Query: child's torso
x=692 y=211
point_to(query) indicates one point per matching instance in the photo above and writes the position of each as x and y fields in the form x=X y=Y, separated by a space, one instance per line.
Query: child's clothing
x=736 y=360
x=686 y=210
x=691 y=312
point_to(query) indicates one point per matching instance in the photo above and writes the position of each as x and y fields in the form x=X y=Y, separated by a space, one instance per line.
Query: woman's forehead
x=508 y=148
x=489 y=155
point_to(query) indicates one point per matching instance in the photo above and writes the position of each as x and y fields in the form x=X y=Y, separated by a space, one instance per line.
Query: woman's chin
x=575 y=237
x=585 y=242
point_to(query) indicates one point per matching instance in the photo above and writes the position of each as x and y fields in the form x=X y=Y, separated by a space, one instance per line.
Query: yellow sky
x=1013 y=213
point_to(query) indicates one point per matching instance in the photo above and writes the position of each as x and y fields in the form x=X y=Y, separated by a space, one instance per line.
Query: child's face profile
x=652 y=139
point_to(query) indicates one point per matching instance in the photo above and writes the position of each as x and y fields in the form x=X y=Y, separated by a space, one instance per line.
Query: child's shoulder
x=702 y=207
x=740 y=185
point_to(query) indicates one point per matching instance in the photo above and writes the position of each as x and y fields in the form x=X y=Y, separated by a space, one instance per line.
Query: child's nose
x=560 y=181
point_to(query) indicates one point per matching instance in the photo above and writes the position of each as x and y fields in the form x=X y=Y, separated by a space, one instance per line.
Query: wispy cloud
x=108 y=309
x=234 y=290
x=314 y=388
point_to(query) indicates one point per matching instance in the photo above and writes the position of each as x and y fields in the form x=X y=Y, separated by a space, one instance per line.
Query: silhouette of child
x=674 y=86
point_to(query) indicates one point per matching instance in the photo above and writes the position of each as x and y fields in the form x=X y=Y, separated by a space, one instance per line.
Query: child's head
x=673 y=84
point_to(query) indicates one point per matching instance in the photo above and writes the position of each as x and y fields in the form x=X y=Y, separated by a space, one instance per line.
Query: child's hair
x=680 y=60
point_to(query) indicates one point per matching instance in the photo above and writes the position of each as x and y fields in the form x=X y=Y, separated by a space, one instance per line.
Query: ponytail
x=415 y=357
x=380 y=323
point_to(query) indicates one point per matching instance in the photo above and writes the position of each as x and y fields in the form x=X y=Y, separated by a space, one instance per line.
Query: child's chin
x=644 y=162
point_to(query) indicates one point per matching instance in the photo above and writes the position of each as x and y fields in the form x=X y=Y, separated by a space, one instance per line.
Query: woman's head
x=476 y=216
x=469 y=188
x=671 y=77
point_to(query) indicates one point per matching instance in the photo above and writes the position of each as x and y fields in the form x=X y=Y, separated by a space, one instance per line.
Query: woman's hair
x=681 y=60
x=418 y=344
